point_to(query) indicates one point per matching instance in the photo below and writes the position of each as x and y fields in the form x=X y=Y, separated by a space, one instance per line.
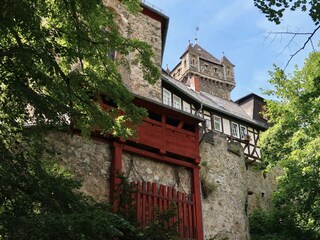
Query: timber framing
x=167 y=136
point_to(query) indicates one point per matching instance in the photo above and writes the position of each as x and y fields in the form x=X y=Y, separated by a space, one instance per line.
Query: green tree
x=293 y=142
x=274 y=9
x=54 y=66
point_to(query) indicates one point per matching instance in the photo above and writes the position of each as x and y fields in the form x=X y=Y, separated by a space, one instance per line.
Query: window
x=217 y=123
x=176 y=102
x=243 y=132
x=234 y=129
x=208 y=121
x=185 y=63
x=186 y=107
x=193 y=110
x=166 y=97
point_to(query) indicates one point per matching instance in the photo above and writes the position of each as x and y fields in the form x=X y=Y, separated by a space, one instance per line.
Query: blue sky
x=238 y=29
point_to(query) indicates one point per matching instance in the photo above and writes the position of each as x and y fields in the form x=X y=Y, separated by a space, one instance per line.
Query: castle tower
x=216 y=77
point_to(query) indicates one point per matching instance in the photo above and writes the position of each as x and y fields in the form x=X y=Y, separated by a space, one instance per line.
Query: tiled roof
x=213 y=102
x=197 y=49
x=224 y=59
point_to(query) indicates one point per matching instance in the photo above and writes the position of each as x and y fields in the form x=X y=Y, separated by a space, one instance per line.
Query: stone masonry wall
x=88 y=160
x=237 y=190
x=224 y=215
x=142 y=169
x=146 y=29
x=225 y=210
x=215 y=88
x=261 y=185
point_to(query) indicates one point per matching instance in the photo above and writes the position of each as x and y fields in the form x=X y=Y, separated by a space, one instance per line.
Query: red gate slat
x=169 y=193
x=149 y=197
x=190 y=206
x=138 y=201
x=161 y=198
x=144 y=204
x=165 y=205
x=180 y=217
x=155 y=197
x=185 y=222
x=150 y=208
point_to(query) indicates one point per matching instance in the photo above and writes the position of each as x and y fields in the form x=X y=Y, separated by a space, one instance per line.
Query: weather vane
x=196 y=35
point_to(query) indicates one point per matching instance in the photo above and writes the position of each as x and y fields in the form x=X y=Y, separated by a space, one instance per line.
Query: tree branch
x=304 y=45
x=294 y=35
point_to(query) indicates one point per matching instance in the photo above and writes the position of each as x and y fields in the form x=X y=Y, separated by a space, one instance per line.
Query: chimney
x=195 y=83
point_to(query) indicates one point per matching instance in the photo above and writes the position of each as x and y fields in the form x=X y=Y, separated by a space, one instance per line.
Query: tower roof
x=224 y=59
x=197 y=49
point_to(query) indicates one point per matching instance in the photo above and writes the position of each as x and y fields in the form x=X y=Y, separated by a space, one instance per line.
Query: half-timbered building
x=241 y=121
x=168 y=161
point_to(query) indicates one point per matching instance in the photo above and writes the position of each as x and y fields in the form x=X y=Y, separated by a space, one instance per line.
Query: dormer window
x=193 y=62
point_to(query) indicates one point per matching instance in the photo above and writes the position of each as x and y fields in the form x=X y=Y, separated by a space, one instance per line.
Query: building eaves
x=249 y=96
x=214 y=103
x=168 y=107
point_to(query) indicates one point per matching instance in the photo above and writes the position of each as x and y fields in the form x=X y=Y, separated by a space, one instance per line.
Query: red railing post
x=197 y=202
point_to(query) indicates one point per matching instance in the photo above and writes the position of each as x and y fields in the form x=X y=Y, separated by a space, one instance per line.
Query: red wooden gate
x=149 y=199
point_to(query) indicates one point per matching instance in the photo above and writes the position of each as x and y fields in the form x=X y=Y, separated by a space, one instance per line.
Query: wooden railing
x=168 y=138
x=149 y=199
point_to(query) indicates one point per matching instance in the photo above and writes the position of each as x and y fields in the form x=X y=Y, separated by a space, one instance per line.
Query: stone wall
x=237 y=189
x=261 y=185
x=224 y=211
x=88 y=160
x=212 y=70
x=146 y=29
x=142 y=169
x=215 y=88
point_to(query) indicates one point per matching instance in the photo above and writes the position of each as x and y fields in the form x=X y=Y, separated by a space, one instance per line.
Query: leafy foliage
x=54 y=57
x=293 y=142
x=275 y=225
x=38 y=199
x=274 y=9
x=54 y=66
